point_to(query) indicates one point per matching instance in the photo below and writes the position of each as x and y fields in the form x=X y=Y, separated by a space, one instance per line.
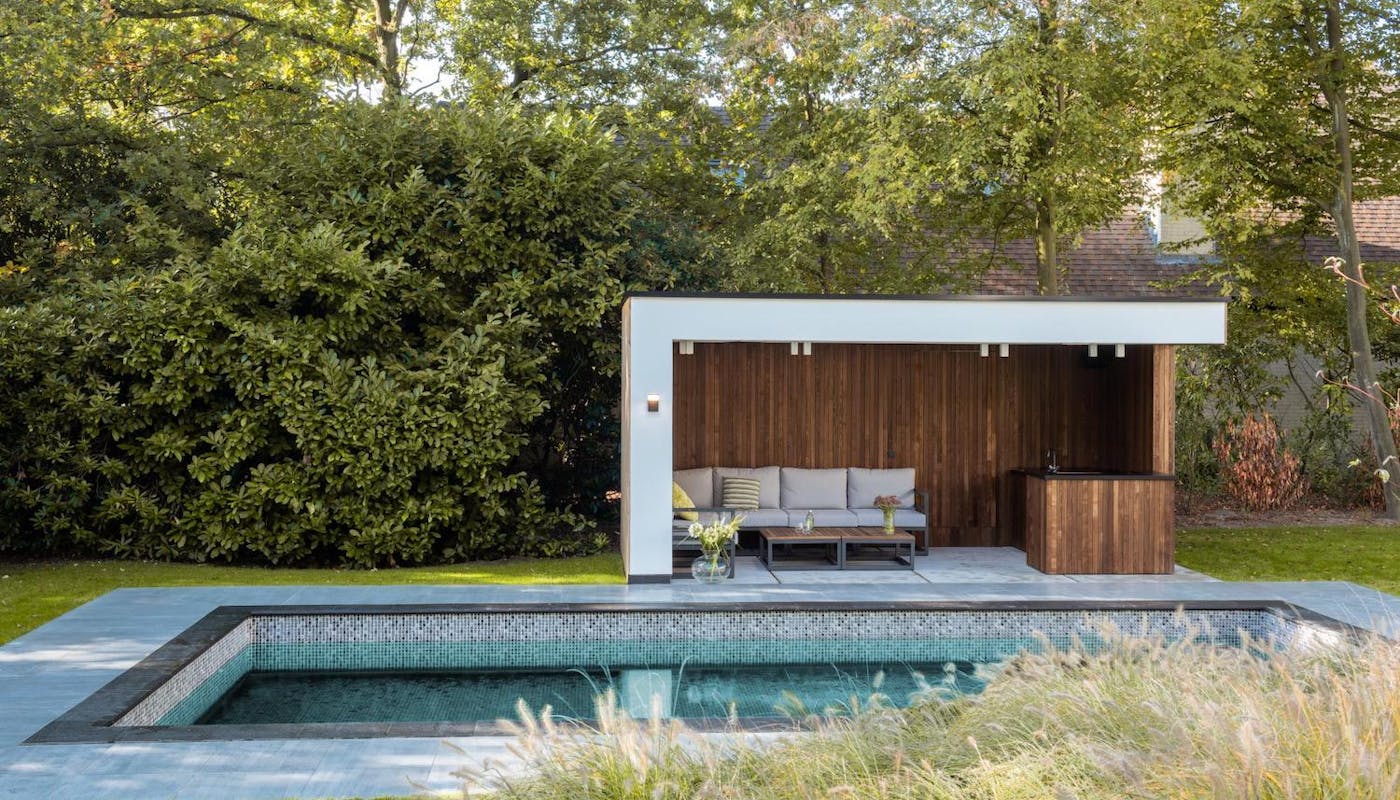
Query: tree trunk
x=1047 y=268
x=387 y=19
x=1050 y=112
x=1369 y=394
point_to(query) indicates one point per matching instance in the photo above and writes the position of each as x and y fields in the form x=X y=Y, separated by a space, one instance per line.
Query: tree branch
x=195 y=10
x=521 y=73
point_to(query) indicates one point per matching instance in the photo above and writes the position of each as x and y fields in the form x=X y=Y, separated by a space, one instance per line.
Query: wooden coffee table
x=842 y=538
x=832 y=557
x=877 y=538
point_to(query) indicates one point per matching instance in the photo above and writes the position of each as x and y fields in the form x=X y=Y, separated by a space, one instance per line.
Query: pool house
x=1040 y=423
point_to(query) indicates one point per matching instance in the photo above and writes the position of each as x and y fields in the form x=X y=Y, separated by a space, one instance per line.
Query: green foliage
x=1197 y=468
x=402 y=356
x=1278 y=116
x=1028 y=117
x=511 y=214
x=602 y=54
x=818 y=192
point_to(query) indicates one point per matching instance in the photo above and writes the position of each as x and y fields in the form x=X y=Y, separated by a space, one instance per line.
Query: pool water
x=262 y=672
x=743 y=691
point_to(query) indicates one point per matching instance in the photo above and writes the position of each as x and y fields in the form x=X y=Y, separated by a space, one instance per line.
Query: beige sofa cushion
x=813 y=488
x=764 y=518
x=824 y=518
x=864 y=485
x=903 y=517
x=698 y=483
x=767 y=478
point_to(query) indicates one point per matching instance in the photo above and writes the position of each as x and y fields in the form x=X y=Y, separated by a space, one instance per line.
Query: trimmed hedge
x=364 y=372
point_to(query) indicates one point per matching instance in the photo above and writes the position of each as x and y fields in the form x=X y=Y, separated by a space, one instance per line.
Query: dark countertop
x=1068 y=474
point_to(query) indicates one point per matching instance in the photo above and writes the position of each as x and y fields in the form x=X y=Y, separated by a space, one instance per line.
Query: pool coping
x=91 y=720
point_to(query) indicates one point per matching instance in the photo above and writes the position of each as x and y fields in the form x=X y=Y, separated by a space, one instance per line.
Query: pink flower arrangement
x=886 y=501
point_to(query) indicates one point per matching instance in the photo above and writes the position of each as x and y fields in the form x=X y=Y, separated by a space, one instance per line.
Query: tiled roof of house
x=1122 y=259
x=1378 y=229
x=1119 y=259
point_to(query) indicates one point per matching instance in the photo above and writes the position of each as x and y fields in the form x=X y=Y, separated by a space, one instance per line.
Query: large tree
x=1282 y=115
x=1033 y=117
x=816 y=195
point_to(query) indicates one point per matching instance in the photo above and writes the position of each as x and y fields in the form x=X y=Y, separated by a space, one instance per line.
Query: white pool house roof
x=659 y=327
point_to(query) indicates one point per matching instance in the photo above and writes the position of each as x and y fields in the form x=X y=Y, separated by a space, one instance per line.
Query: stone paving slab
x=47 y=671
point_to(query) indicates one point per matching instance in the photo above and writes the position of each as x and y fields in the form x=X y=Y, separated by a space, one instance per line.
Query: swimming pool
x=338 y=671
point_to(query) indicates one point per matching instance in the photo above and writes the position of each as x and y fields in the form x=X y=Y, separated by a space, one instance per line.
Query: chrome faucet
x=1052 y=463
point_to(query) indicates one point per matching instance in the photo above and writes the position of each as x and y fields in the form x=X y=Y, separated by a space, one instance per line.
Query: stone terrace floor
x=943 y=565
x=47 y=671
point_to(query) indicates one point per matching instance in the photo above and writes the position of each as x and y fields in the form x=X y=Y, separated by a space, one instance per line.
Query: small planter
x=889 y=519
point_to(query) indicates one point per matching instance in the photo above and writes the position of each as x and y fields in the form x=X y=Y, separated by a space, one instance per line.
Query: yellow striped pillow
x=740 y=493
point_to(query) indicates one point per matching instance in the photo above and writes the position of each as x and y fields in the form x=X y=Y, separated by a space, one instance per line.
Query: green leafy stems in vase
x=887 y=503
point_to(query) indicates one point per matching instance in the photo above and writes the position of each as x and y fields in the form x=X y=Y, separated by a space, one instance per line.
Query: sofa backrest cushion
x=864 y=485
x=813 y=488
x=767 y=478
x=698 y=483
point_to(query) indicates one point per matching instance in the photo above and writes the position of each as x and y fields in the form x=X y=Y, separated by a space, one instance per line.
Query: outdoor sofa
x=837 y=498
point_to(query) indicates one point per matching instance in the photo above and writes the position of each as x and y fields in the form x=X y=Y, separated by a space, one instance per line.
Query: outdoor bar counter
x=1096 y=522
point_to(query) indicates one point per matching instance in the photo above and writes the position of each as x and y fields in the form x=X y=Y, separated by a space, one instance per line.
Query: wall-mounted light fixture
x=793 y=347
x=653 y=403
x=1093 y=351
x=1003 y=350
x=687 y=347
x=1119 y=351
x=984 y=349
x=806 y=348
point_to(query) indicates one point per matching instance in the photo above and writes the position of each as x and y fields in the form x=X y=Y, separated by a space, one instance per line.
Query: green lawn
x=1364 y=554
x=32 y=593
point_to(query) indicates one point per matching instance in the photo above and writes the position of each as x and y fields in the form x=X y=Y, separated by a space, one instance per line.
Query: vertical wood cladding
x=1099 y=526
x=961 y=420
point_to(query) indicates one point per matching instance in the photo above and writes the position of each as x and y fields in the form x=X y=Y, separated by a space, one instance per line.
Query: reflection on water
x=685 y=691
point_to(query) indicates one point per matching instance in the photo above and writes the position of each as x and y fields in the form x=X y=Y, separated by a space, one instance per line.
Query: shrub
x=1260 y=473
x=1197 y=470
x=418 y=312
x=511 y=214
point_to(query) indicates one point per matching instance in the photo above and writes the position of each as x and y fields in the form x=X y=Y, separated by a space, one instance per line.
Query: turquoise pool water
x=744 y=691
x=478 y=666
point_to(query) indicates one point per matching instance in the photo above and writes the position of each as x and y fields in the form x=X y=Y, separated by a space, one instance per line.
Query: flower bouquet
x=887 y=503
x=713 y=565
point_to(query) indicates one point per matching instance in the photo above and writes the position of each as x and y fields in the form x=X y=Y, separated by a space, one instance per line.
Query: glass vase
x=889 y=519
x=711 y=567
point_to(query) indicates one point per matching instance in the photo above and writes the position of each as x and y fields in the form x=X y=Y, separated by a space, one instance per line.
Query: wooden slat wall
x=1121 y=527
x=962 y=421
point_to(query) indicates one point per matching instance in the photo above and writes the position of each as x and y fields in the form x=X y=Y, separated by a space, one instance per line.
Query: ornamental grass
x=1137 y=719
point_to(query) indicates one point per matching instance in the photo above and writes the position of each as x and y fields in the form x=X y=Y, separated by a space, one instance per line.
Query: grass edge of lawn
x=34 y=592
x=1368 y=555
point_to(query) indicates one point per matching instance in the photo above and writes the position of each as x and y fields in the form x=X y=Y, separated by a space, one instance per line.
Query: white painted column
x=646 y=451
